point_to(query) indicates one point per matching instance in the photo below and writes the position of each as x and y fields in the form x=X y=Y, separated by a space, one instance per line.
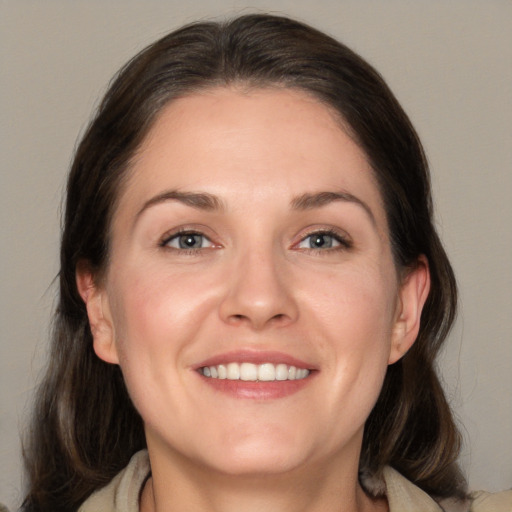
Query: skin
x=255 y=284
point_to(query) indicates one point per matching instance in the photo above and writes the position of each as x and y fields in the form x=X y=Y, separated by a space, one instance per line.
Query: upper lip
x=255 y=357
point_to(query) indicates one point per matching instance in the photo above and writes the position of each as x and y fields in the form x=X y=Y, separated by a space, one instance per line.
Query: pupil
x=188 y=241
x=321 y=241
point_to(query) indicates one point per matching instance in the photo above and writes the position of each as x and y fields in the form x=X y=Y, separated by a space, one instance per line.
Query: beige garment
x=123 y=492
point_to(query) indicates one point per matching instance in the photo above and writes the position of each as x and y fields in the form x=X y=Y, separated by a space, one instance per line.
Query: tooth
x=302 y=373
x=233 y=371
x=251 y=372
x=281 y=372
x=248 y=371
x=221 y=370
x=266 y=372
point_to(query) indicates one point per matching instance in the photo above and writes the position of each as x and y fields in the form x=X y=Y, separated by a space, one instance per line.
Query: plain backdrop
x=450 y=65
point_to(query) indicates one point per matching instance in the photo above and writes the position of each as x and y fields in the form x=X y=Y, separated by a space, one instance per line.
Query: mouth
x=250 y=372
x=254 y=374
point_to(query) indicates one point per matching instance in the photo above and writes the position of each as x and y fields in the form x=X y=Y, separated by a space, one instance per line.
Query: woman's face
x=251 y=297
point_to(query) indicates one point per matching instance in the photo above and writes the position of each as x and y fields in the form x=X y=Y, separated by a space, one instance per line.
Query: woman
x=251 y=288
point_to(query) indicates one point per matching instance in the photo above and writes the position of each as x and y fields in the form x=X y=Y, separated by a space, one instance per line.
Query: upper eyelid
x=338 y=244
x=212 y=237
x=165 y=243
x=185 y=230
x=336 y=232
x=174 y=234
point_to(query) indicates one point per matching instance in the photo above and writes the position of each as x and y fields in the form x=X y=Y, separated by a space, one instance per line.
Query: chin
x=260 y=463
x=265 y=454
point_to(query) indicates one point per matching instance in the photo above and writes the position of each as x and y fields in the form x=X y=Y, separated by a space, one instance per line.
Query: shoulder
x=123 y=492
x=492 y=502
x=404 y=495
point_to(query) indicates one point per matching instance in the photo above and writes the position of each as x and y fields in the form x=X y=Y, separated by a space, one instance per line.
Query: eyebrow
x=210 y=202
x=198 y=200
x=319 y=199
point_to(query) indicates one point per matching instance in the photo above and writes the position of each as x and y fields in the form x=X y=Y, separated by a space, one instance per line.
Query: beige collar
x=123 y=492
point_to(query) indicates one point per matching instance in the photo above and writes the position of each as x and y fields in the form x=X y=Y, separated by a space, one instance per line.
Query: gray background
x=449 y=63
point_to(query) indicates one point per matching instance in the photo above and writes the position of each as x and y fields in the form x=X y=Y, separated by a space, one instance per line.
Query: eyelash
x=344 y=242
x=184 y=232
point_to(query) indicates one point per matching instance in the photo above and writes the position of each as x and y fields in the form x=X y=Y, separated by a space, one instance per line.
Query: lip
x=256 y=390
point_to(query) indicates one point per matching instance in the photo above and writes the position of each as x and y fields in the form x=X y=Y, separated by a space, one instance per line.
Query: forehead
x=229 y=141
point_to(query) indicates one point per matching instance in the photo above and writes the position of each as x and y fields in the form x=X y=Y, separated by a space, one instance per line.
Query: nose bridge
x=259 y=292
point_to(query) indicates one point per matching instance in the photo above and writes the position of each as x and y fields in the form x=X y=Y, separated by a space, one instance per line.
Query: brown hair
x=85 y=428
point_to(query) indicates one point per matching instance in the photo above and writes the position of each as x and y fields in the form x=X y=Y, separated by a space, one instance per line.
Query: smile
x=266 y=372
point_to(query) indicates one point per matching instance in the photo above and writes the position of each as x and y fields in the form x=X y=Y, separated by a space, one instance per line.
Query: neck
x=325 y=487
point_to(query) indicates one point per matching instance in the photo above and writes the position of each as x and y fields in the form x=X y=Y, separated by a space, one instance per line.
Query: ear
x=98 y=312
x=413 y=293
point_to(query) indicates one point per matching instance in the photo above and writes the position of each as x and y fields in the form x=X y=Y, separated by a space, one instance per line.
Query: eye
x=323 y=240
x=187 y=241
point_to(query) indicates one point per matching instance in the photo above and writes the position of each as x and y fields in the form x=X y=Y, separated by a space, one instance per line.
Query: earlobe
x=98 y=312
x=412 y=296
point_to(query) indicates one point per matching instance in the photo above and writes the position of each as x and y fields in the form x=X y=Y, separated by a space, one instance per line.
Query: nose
x=259 y=293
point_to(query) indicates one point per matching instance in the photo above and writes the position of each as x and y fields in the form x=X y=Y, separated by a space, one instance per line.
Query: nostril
x=237 y=318
x=279 y=319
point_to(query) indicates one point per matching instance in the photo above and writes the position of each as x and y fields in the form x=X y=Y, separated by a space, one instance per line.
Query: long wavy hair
x=85 y=427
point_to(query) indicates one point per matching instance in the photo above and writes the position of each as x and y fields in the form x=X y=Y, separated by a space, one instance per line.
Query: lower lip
x=257 y=390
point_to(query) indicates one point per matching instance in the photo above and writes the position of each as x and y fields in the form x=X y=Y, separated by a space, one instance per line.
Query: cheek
x=353 y=316
x=357 y=299
x=154 y=317
x=156 y=311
